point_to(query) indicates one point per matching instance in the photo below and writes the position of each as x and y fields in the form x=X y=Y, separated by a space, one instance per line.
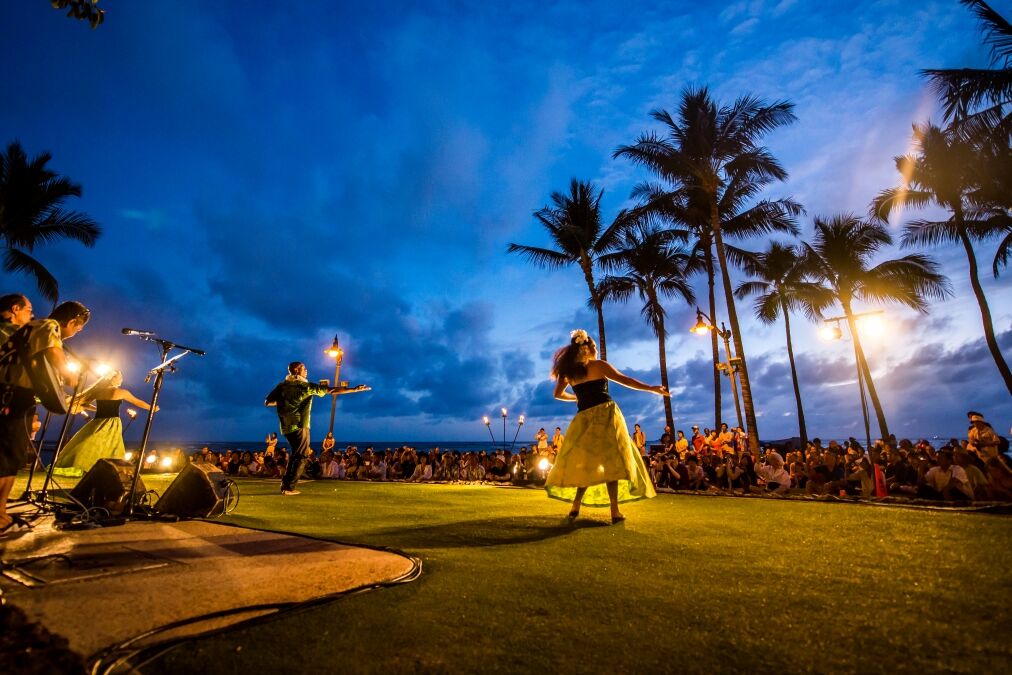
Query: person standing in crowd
x=557 y=439
x=43 y=337
x=101 y=437
x=640 y=440
x=542 y=442
x=598 y=451
x=698 y=440
x=682 y=445
x=15 y=312
x=293 y=399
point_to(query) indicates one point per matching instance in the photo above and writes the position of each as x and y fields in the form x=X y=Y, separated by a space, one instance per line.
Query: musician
x=15 y=312
x=17 y=399
x=294 y=400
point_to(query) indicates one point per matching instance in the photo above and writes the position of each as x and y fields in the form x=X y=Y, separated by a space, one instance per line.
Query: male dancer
x=294 y=401
x=18 y=400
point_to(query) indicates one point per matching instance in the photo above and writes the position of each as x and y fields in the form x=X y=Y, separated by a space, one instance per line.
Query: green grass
x=689 y=583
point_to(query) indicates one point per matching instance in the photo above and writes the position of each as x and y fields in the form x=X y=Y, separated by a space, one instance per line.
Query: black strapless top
x=105 y=409
x=591 y=393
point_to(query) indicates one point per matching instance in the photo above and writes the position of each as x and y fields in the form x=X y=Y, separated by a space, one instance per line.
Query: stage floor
x=101 y=587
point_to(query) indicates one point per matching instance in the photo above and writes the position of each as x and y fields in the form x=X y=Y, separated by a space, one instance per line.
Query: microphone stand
x=26 y=496
x=63 y=430
x=159 y=374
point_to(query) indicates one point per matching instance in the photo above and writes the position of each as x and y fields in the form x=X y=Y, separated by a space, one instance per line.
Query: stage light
x=166 y=462
x=129 y=455
x=73 y=366
x=150 y=459
x=544 y=464
x=102 y=369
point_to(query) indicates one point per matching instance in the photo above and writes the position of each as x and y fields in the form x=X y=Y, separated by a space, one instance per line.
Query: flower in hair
x=579 y=336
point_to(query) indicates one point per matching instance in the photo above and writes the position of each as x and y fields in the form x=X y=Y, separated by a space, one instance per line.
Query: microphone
x=142 y=333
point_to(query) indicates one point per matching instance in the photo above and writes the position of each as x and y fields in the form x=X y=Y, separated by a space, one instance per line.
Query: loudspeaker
x=107 y=484
x=199 y=491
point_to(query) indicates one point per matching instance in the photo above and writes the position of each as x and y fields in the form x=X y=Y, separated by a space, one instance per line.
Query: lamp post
x=335 y=352
x=729 y=367
x=832 y=331
x=520 y=423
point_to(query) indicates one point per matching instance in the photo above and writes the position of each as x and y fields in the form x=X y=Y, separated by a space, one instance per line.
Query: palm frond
x=19 y=261
x=542 y=257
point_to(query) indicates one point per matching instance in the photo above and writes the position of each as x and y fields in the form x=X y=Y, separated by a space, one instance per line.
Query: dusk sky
x=269 y=174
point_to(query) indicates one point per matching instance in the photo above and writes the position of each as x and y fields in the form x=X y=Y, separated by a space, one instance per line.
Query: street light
x=832 y=331
x=335 y=352
x=729 y=367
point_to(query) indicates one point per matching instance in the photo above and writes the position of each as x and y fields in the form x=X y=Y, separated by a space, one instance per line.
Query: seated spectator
x=695 y=477
x=409 y=461
x=422 y=471
x=974 y=476
x=900 y=476
x=247 y=466
x=730 y=475
x=331 y=465
x=945 y=481
x=771 y=475
x=861 y=477
x=378 y=468
x=233 y=464
x=499 y=472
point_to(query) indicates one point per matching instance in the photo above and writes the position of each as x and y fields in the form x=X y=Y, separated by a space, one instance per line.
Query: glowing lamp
x=129 y=455
x=334 y=350
x=150 y=459
x=102 y=369
x=872 y=325
x=504 y=412
x=544 y=464
x=522 y=420
x=166 y=462
x=485 y=419
x=830 y=333
x=131 y=413
x=701 y=327
x=73 y=366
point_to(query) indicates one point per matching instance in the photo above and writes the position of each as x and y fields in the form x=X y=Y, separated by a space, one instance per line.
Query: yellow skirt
x=597 y=449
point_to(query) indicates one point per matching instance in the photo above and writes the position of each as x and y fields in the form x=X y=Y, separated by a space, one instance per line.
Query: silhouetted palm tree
x=649 y=264
x=574 y=225
x=944 y=171
x=675 y=209
x=713 y=153
x=31 y=213
x=981 y=96
x=840 y=257
x=781 y=283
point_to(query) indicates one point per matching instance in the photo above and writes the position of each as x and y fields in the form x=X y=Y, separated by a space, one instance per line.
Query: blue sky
x=270 y=174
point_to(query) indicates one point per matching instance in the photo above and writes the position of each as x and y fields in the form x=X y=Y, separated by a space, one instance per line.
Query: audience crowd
x=976 y=468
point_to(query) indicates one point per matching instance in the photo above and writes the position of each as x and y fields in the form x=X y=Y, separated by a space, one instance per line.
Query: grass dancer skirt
x=597 y=449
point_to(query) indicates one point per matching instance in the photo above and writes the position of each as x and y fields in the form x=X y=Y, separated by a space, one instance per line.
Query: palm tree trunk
x=802 y=430
x=588 y=274
x=669 y=417
x=985 y=312
x=711 y=281
x=862 y=363
x=732 y=316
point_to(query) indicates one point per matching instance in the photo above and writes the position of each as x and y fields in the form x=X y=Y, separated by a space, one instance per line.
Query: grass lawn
x=693 y=584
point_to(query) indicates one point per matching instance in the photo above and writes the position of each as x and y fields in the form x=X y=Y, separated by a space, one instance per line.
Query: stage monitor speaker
x=199 y=491
x=107 y=484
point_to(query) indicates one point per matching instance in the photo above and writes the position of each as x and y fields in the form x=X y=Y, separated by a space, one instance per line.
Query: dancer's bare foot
x=616 y=518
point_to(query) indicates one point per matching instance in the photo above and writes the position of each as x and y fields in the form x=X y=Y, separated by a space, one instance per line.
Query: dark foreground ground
x=688 y=584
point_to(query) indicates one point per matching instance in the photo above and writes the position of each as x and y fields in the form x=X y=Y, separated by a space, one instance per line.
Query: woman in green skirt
x=598 y=464
x=102 y=436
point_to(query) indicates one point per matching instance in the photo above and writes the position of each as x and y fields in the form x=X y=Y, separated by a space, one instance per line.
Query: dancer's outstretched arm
x=615 y=375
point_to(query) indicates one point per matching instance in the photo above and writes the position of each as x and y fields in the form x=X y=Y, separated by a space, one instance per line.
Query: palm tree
x=675 y=209
x=574 y=225
x=713 y=153
x=839 y=258
x=781 y=284
x=31 y=213
x=653 y=268
x=980 y=96
x=945 y=172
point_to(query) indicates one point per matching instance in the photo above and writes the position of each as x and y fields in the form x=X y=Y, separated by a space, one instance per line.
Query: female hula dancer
x=103 y=435
x=597 y=449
